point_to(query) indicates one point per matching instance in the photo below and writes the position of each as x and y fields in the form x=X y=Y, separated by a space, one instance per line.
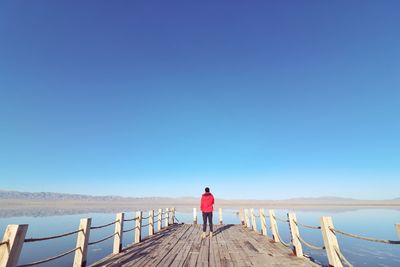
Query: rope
x=307 y=226
x=101 y=240
x=28 y=240
x=176 y=219
x=343 y=258
x=49 y=259
x=133 y=219
x=309 y=245
x=3 y=242
x=280 y=239
x=104 y=225
x=129 y=230
x=147 y=224
x=279 y=219
x=366 y=238
x=144 y=218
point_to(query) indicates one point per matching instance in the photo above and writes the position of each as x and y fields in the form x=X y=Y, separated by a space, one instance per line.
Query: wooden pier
x=174 y=244
x=182 y=245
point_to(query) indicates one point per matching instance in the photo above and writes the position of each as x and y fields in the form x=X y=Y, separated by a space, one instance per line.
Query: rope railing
x=281 y=241
x=176 y=219
x=129 y=220
x=307 y=226
x=343 y=258
x=130 y=230
x=29 y=240
x=82 y=239
x=101 y=240
x=104 y=225
x=310 y=245
x=49 y=259
x=393 y=242
x=282 y=220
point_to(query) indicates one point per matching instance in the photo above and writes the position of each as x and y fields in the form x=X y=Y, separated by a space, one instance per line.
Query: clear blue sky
x=259 y=99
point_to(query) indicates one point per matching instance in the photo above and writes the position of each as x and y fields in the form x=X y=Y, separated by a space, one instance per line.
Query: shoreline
x=41 y=208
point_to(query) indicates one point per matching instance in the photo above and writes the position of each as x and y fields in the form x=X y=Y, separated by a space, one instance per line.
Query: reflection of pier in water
x=173 y=244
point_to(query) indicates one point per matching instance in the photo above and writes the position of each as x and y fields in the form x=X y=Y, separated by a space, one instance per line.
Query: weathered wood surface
x=181 y=245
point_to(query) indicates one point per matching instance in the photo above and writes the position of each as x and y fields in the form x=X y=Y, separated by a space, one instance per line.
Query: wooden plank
x=158 y=249
x=138 y=227
x=191 y=260
x=214 y=260
x=177 y=249
x=398 y=230
x=241 y=215
x=274 y=226
x=10 y=252
x=166 y=217
x=82 y=243
x=181 y=245
x=166 y=247
x=253 y=220
x=151 y=222
x=330 y=241
x=294 y=231
x=184 y=252
x=159 y=219
x=263 y=222
x=194 y=216
x=225 y=257
x=119 y=226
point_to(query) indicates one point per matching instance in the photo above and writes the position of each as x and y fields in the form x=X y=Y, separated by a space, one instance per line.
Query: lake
x=378 y=223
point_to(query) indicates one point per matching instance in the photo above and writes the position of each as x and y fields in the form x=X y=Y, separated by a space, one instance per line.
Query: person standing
x=206 y=207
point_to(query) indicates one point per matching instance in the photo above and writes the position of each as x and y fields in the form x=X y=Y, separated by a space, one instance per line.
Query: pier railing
x=328 y=232
x=15 y=237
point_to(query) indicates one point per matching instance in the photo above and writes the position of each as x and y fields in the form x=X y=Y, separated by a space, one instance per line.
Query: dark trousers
x=209 y=216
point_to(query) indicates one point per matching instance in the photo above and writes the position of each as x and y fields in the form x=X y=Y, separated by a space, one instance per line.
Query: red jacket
x=207 y=202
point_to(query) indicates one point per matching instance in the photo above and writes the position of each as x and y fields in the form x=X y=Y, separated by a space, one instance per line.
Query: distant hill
x=6 y=194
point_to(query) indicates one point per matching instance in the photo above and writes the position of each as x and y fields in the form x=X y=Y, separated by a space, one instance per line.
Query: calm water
x=377 y=223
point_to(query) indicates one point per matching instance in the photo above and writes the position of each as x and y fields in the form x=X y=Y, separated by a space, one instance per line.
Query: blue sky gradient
x=268 y=99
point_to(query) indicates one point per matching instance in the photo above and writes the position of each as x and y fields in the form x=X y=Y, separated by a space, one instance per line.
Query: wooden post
x=274 y=226
x=119 y=226
x=138 y=229
x=9 y=252
x=173 y=216
x=82 y=243
x=151 y=222
x=398 y=230
x=241 y=215
x=166 y=217
x=263 y=222
x=220 y=216
x=246 y=215
x=330 y=242
x=294 y=230
x=194 y=216
x=253 y=220
x=159 y=220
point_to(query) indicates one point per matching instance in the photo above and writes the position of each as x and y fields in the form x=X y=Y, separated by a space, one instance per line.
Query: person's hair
x=207 y=190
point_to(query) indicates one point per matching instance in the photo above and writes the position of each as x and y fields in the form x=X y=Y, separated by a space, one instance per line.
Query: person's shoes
x=203 y=235
x=211 y=234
